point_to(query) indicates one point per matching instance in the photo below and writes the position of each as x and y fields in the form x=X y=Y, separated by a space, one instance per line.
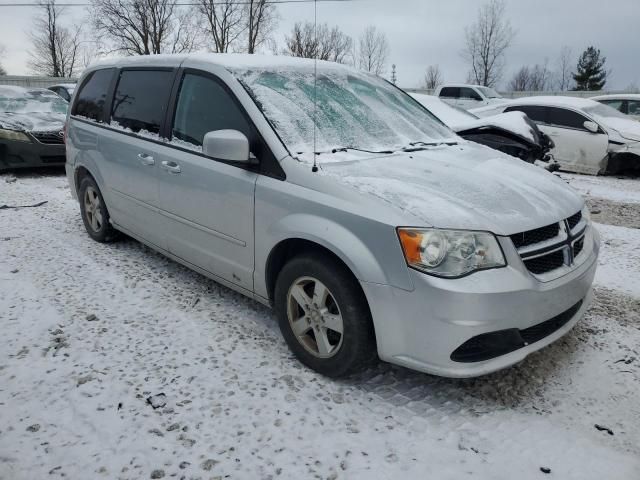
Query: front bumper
x=14 y=155
x=420 y=329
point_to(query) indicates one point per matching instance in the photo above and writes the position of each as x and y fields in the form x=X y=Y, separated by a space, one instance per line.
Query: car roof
x=460 y=85
x=230 y=61
x=64 y=85
x=617 y=96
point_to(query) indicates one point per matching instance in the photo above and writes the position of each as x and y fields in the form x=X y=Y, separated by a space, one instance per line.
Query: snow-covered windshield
x=489 y=92
x=352 y=110
x=31 y=101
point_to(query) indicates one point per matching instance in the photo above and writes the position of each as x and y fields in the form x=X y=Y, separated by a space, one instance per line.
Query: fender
x=342 y=242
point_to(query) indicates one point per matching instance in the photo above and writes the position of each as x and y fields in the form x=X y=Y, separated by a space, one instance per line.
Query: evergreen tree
x=590 y=74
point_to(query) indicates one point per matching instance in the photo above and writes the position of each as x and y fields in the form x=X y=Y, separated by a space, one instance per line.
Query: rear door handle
x=172 y=167
x=146 y=159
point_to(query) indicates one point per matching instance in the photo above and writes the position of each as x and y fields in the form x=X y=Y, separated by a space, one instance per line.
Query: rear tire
x=94 y=213
x=324 y=316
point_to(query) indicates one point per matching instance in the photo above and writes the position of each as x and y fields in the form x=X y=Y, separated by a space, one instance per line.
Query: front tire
x=324 y=316
x=94 y=213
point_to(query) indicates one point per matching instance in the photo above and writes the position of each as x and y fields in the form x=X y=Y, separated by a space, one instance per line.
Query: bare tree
x=262 y=19
x=225 y=22
x=55 y=49
x=144 y=27
x=565 y=68
x=2 y=70
x=521 y=80
x=487 y=40
x=373 y=50
x=433 y=77
x=540 y=79
x=531 y=79
x=321 y=42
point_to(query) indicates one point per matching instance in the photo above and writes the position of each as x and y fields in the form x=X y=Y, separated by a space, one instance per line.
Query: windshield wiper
x=344 y=149
x=418 y=146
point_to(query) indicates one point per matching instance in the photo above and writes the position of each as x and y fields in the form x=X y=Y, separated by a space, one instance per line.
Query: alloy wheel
x=314 y=317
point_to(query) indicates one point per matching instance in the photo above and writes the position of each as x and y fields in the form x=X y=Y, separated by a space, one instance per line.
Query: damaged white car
x=589 y=137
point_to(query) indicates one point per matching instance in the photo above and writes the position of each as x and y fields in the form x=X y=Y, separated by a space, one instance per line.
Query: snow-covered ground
x=91 y=332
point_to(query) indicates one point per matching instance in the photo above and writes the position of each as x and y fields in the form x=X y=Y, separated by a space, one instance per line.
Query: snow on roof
x=460 y=85
x=226 y=60
x=65 y=85
x=554 y=101
x=618 y=96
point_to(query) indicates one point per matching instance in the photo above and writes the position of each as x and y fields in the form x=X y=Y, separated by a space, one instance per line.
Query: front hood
x=32 y=122
x=465 y=186
x=626 y=128
x=515 y=122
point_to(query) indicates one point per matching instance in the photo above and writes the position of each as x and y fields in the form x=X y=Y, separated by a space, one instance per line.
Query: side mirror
x=230 y=145
x=591 y=126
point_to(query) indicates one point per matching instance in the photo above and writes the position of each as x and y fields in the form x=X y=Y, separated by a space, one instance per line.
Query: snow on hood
x=515 y=122
x=464 y=186
x=627 y=128
x=32 y=122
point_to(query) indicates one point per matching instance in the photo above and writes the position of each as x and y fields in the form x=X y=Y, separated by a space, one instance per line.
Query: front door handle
x=172 y=167
x=146 y=159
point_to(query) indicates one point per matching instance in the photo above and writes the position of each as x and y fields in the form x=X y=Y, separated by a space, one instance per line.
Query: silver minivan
x=331 y=195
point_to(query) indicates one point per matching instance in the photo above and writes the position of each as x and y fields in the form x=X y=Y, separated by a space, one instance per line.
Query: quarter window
x=92 y=96
x=140 y=100
x=204 y=106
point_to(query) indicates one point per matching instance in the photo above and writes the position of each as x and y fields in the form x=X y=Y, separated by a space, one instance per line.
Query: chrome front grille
x=552 y=247
x=50 y=138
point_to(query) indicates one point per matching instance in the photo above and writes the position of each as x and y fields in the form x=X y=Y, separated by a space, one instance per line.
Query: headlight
x=586 y=213
x=450 y=253
x=13 y=135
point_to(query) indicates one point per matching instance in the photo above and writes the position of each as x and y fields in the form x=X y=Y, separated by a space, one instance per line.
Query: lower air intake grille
x=494 y=344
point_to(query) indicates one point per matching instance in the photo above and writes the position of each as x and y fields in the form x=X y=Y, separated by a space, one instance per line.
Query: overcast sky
x=424 y=32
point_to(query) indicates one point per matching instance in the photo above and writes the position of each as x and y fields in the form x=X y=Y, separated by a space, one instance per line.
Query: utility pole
x=394 y=78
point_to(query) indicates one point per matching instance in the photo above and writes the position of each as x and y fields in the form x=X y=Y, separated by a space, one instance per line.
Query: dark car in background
x=31 y=128
x=65 y=90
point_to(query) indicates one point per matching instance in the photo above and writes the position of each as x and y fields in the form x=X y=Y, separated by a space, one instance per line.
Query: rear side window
x=535 y=113
x=91 y=99
x=633 y=107
x=469 y=94
x=140 y=100
x=450 y=92
x=203 y=106
x=562 y=117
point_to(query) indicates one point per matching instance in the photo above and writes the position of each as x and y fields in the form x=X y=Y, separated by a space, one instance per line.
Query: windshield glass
x=31 y=101
x=489 y=92
x=604 y=111
x=352 y=110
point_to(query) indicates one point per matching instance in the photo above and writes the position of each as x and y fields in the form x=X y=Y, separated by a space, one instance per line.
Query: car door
x=576 y=148
x=208 y=204
x=633 y=109
x=131 y=148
